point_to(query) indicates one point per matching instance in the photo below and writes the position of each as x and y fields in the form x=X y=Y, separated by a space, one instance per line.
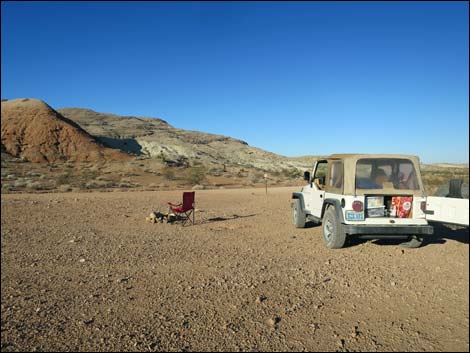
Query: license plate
x=354 y=216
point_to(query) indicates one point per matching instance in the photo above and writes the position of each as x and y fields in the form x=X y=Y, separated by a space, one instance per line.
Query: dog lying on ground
x=156 y=217
x=160 y=216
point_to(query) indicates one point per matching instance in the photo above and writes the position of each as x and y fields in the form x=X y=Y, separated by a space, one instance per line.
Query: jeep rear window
x=380 y=173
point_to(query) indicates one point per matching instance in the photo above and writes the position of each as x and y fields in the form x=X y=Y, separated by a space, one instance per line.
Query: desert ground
x=85 y=272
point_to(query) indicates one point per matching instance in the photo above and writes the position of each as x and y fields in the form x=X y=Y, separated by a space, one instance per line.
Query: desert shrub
x=64 y=179
x=291 y=173
x=161 y=156
x=128 y=184
x=91 y=184
x=36 y=185
x=241 y=173
x=256 y=178
x=169 y=173
x=65 y=188
x=6 y=187
x=99 y=184
x=20 y=183
x=90 y=174
x=196 y=174
x=215 y=171
x=33 y=174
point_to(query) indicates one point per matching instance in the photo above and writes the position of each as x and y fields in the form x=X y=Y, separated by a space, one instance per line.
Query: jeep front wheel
x=298 y=214
x=333 y=233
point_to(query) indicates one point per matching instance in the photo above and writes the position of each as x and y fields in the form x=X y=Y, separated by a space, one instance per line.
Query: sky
x=293 y=78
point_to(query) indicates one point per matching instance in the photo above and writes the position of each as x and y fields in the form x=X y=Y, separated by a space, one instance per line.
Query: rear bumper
x=353 y=229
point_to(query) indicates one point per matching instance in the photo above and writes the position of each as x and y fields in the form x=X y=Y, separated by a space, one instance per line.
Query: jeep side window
x=320 y=174
x=335 y=181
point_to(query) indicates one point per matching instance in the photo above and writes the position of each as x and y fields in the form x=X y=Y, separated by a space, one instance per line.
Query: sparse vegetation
x=256 y=178
x=65 y=188
x=292 y=173
x=435 y=179
x=36 y=185
x=196 y=175
x=169 y=173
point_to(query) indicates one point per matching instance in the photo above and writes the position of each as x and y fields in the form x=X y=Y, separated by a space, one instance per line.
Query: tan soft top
x=349 y=165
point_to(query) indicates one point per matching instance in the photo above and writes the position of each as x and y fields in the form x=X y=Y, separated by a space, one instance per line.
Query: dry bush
x=291 y=173
x=169 y=173
x=36 y=185
x=99 y=184
x=65 y=188
x=64 y=179
x=20 y=183
x=196 y=175
x=256 y=178
x=33 y=174
x=6 y=187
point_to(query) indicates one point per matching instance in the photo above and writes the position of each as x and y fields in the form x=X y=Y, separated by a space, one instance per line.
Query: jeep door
x=314 y=193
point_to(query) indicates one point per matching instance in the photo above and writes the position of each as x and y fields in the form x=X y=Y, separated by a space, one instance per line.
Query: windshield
x=386 y=173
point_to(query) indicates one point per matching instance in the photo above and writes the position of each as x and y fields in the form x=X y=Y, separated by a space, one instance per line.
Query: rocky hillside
x=31 y=129
x=155 y=138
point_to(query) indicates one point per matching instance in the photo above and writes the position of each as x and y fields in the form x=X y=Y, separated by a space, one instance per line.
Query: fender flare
x=338 y=209
x=299 y=196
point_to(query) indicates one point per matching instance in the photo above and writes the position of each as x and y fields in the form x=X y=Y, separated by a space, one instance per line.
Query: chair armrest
x=174 y=204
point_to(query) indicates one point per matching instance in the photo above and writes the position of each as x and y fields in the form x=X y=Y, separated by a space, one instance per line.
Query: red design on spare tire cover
x=402 y=205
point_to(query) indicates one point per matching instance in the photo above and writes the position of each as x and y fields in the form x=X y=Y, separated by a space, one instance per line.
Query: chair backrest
x=188 y=200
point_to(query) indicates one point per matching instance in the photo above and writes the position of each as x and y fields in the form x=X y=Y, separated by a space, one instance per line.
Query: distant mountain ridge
x=154 y=137
x=33 y=130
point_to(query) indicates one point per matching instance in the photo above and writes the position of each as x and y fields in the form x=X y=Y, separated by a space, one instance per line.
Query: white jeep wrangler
x=372 y=196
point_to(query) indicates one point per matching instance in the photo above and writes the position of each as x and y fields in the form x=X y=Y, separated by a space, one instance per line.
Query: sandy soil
x=86 y=272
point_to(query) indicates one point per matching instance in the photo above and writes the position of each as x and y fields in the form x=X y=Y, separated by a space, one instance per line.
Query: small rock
x=261 y=299
x=314 y=327
x=355 y=332
x=274 y=322
x=82 y=260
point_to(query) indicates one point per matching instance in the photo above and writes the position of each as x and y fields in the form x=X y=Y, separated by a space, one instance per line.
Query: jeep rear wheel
x=298 y=214
x=333 y=233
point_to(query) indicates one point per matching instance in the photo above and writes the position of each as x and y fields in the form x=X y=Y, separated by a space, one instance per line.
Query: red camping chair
x=185 y=209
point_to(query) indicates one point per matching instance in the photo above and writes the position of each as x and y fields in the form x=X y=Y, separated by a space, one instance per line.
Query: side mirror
x=307 y=176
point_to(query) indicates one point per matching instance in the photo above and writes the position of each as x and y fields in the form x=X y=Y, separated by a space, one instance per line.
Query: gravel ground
x=85 y=272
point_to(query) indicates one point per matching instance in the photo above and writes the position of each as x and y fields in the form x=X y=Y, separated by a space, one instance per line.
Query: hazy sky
x=293 y=78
